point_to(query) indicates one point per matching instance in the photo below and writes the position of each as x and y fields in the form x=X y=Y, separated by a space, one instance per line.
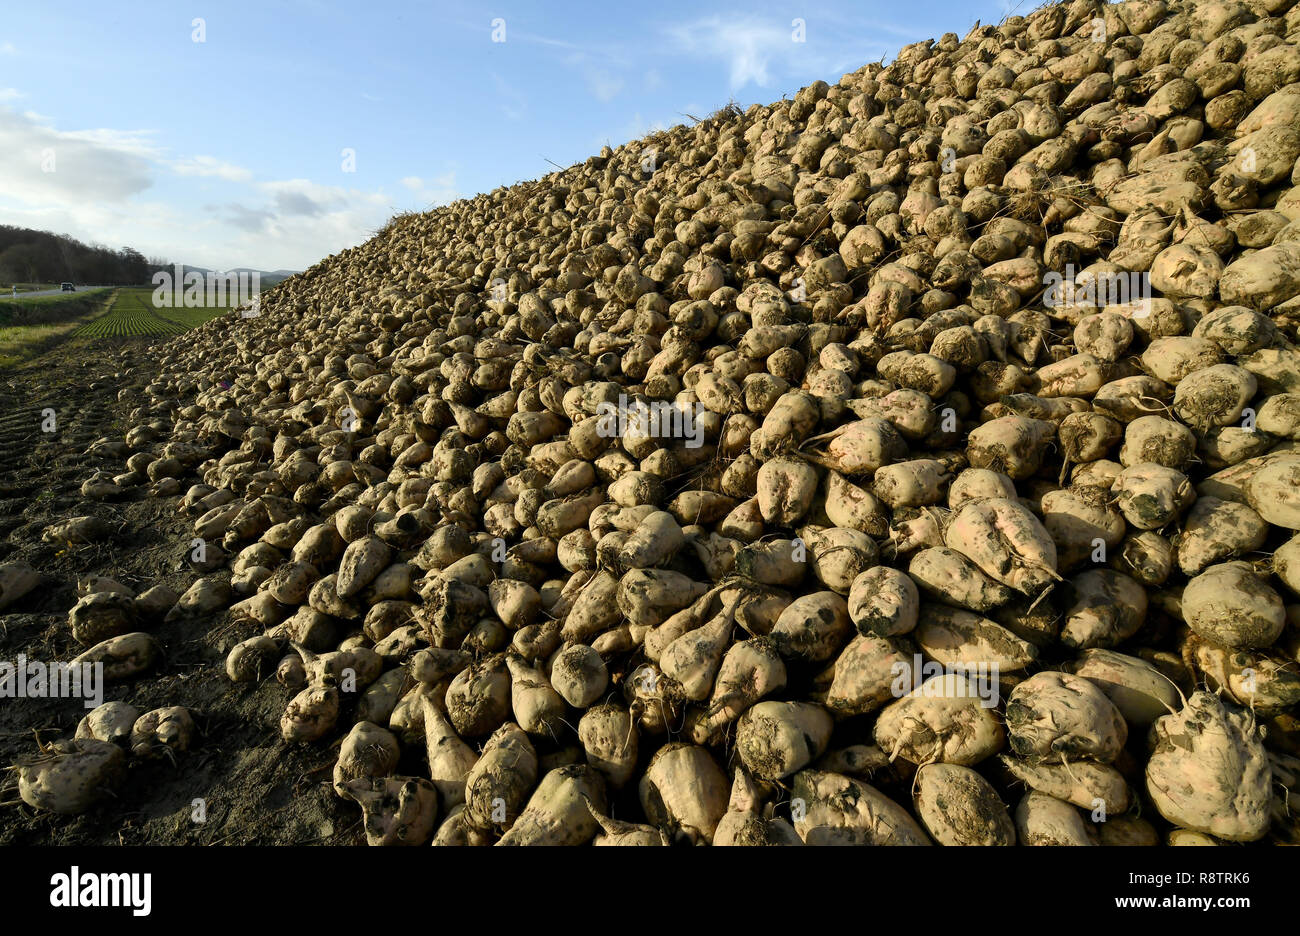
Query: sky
x=272 y=134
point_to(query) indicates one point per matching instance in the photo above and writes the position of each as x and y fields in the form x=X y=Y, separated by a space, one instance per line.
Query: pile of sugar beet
x=966 y=513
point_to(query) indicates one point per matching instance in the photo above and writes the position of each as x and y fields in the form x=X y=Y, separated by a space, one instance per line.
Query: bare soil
x=254 y=788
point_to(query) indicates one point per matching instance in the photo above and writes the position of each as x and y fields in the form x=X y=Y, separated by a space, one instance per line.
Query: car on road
x=67 y=287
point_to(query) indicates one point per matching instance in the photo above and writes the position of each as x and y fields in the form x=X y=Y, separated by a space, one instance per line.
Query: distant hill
x=268 y=278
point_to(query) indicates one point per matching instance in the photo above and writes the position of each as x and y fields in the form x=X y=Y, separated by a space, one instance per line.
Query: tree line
x=28 y=256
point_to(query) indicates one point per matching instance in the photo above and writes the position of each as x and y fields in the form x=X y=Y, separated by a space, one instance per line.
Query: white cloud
x=746 y=44
x=436 y=191
x=10 y=94
x=7 y=48
x=54 y=168
x=97 y=193
x=304 y=197
x=295 y=223
x=764 y=51
x=210 y=167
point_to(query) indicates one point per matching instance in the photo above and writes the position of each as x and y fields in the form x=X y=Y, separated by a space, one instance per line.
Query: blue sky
x=117 y=127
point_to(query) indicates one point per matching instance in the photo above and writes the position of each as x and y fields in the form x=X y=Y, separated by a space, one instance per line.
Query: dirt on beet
x=239 y=784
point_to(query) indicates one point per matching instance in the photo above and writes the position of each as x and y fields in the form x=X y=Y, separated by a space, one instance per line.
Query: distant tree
x=135 y=268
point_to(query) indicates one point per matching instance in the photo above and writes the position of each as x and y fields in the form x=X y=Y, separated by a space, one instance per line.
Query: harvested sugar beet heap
x=982 y=373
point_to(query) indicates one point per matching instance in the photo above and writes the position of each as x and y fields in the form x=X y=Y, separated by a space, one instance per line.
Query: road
x=45 y=292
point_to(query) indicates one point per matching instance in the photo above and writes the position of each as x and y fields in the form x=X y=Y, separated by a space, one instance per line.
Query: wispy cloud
x=210 y=166
x=140 y=143
x=486 y=29
x=513 y=102
x=541 y=40
x=8 y=48
x=853 y=24
x=747 y=45
x=764 y=51
x=603 y=84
